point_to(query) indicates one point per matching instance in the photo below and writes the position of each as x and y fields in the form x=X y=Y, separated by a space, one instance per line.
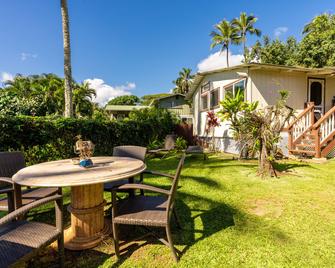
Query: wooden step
x=305 y=145
x=302 y=152
x=307 y=140
x=311 y=136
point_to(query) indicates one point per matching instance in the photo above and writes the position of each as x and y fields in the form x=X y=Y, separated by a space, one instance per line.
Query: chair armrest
x=7 y=180
x=142 y=187
x=22 y=210
x=7 y=190
x=152 y=172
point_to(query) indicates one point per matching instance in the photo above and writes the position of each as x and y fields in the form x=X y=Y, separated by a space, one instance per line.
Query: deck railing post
x=290 y=140
x=316 y=133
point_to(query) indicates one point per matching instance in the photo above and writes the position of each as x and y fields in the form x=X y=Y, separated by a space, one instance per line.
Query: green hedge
x=44 y=139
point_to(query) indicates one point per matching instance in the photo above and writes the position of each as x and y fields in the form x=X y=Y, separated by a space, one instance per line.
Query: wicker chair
x=132 y=151
x=19 y=238
x=10 y=163
x=147 y=211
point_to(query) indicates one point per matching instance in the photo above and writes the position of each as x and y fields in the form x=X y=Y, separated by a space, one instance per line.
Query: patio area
x=229 y=217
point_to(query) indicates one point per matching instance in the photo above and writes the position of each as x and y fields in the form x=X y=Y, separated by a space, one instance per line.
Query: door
x=316 y=89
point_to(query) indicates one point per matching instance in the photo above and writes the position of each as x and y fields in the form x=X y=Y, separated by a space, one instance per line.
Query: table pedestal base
x=88 y=226
x=80 y=243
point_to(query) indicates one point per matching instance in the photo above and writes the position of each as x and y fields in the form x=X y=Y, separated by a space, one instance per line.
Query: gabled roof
x=172 y=95
x=166 y=97
x=254 y=66
x=124 y=108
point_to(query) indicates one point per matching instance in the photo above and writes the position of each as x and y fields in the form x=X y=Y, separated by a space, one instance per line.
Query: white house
x=261 y=82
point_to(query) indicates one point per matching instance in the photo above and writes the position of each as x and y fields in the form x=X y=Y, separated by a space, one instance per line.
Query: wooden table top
x=65 y=173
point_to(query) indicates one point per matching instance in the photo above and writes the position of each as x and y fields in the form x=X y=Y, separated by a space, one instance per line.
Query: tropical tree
x=317 y=47
x=258 y=129
x=184 y=81
x=44 y=95
x=82 y=99
x=124 y=100
x=225 y=35
x=67 y=60
x=20 y=85
x=275 y=51
x=244 y=25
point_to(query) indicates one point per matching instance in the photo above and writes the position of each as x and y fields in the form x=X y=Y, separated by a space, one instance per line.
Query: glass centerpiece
x=85 y=151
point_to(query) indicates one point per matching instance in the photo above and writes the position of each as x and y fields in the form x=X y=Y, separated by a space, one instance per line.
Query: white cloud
x=6 y=76
x=218 y=61
x=279 y=31
x=25 y=56
x=106 y=92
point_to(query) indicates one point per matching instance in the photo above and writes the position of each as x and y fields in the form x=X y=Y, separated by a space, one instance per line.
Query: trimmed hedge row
x=44 y=139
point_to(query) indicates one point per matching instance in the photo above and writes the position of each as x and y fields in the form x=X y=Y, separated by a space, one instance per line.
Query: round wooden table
x=88 y=226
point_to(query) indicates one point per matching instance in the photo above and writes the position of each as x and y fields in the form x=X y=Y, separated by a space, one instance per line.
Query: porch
x=312 y=133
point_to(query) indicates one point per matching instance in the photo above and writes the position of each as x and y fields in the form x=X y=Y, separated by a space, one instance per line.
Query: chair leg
x=141 y=181
x=169 y=237
x=116 y=240
x=60 y=244
x=10 y=202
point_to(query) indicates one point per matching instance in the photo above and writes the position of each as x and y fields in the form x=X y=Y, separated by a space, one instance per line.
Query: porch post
x=316 y=134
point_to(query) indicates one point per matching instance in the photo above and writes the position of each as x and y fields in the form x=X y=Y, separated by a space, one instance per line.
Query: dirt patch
x=266 y=207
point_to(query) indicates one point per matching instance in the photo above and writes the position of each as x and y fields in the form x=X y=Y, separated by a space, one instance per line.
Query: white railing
x=302 y=123
x=326 y=126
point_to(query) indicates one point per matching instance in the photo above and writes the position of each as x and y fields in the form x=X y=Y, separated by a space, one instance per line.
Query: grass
x=231 y=218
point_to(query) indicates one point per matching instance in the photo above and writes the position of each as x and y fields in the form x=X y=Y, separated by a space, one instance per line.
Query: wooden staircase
x=312 y=139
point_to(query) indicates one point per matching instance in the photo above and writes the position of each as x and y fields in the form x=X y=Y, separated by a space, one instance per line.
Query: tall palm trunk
x=227 y=56
x=67 y=60
x=244 y=40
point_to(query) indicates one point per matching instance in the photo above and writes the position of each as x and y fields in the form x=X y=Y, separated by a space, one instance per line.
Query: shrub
x=181 y=144
x=45 y=138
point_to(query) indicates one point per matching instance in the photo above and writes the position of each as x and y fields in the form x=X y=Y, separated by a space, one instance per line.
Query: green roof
x=124 y=108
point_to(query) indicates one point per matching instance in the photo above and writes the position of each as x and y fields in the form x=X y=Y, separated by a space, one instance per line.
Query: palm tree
x=67 y=60
x=184 y=81
x=82 y=99
x=225 y=35
x=20 y=85
x=244 y=25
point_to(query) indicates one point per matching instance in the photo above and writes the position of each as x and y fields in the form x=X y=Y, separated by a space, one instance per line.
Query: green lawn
x=232 y=218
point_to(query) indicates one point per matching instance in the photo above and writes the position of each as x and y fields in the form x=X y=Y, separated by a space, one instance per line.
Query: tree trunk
x=67 y=60
x=266 y=168
x=244 y=51
x=227 y=56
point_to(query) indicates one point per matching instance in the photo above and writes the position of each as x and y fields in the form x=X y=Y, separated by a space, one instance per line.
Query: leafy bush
x=155 y=143
x=157 y=118
x=46 y=138
x=181 y=144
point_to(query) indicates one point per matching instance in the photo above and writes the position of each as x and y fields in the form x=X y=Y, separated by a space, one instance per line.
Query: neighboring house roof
x=124 y=108
x=254 y=66
x=173 y=95
x=166 y=97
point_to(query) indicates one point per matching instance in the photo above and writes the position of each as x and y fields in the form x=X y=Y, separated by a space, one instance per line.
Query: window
x=239 y=87
x=232 y=89
x=204 y=101
x=205 y=87
x=214 y=97
x=229 y=91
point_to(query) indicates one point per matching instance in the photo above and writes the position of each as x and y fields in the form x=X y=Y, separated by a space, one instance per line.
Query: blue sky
x=133 y=46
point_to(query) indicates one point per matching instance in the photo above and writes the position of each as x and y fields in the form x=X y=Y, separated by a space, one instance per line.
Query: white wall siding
x=266 y=84
x=329 y=92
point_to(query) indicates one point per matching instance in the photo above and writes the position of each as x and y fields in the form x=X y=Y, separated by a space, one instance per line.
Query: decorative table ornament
x=85 y=150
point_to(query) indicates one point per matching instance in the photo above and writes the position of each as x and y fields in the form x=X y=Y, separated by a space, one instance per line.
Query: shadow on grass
x=285 y=167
